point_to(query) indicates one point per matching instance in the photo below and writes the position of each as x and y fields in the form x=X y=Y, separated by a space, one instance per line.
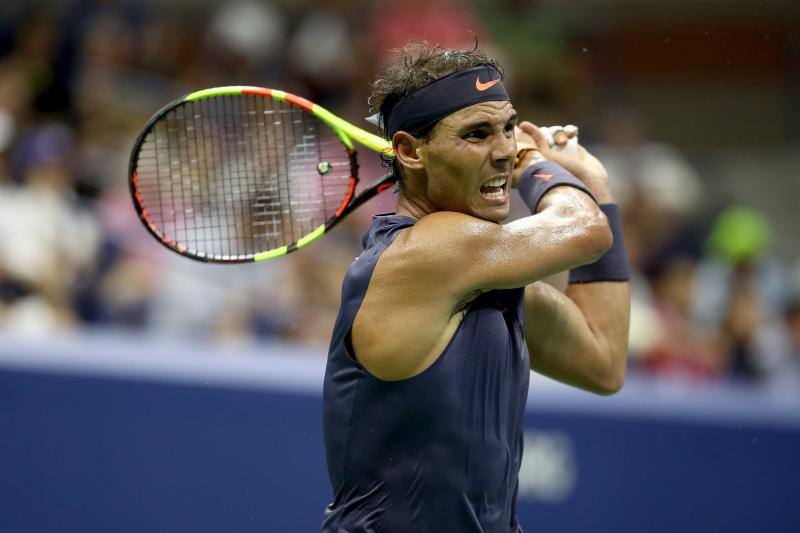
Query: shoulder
x=408 y=296
x=449 y=225
x=437 y=244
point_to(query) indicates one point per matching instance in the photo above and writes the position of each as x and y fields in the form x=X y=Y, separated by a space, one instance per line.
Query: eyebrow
x=486 y=123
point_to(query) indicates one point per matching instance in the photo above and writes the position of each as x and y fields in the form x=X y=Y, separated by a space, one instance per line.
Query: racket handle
x=549 y=134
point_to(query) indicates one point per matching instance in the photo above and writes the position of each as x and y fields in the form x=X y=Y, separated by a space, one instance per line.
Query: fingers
x=557 y=137
x=565 y=138
x=527 y=147
x=563 y=134
x=524 y=139
x=558 y=143
x=557 y=150
x=538 y=136
x=526 y=126
x=560 y=138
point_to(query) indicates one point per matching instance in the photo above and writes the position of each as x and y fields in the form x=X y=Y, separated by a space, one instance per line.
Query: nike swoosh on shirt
x=483 y=86
x=543 y=176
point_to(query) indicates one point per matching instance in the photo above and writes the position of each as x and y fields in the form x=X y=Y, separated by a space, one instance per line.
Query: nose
x=504 y=148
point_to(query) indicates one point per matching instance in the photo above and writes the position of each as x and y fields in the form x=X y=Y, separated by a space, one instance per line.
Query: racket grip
x=550 y=132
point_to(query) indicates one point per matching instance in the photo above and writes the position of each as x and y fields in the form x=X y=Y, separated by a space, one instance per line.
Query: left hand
x=582 y=165
x=528 y=153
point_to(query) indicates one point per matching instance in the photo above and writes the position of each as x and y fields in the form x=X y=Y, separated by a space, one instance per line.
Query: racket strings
x=232 y=176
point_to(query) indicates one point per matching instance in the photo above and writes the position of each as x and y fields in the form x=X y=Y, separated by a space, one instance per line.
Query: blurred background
x=694 y=107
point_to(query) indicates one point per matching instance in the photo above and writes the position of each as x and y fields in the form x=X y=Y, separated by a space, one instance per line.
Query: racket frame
x=345 y=131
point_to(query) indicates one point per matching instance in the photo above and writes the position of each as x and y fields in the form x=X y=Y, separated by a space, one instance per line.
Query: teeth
x=498 y=194
x=497 y=182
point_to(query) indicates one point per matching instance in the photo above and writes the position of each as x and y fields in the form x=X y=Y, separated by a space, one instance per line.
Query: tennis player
x=443 y=314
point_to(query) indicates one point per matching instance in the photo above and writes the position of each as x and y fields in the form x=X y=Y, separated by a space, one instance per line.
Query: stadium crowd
x=712 y=301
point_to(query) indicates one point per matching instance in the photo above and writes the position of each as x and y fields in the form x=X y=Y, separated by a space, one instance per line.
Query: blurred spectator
x=47 y=241
x=782 y=361
x=322 y=53
x=659 y=192
x=682 y=348
x=744 y=315
x=741 y=290
x=448 y=23
x=657 y=187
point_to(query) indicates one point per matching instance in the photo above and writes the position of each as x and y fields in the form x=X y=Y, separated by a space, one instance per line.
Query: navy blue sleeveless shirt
x=437 y=452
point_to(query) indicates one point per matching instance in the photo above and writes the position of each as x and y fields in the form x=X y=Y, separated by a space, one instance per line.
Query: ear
x=406 y=150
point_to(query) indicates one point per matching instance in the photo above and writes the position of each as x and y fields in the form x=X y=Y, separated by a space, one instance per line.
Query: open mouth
x=495 y=188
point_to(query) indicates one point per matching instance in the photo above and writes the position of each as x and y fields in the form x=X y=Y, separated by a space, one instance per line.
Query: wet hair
x=416 y=65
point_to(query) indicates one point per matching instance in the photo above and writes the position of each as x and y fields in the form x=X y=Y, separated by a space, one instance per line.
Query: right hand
x=584 y=165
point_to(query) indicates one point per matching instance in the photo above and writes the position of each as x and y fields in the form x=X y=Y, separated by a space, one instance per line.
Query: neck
x=414 y=206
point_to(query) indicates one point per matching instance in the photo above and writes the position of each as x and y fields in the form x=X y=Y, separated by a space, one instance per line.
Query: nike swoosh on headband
x=483 y=86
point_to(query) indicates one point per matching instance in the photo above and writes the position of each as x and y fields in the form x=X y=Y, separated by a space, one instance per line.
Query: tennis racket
x=243 y=174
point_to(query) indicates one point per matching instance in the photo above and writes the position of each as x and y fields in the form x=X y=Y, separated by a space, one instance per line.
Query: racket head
x=241 y=174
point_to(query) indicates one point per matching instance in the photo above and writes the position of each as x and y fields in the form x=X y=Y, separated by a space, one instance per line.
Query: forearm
x=602 y=292
x=580 y=337
x=606 y=308
x=542 y=187
x=576 y=338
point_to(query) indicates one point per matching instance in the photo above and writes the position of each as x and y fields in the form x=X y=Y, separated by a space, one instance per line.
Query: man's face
x=469 y=158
